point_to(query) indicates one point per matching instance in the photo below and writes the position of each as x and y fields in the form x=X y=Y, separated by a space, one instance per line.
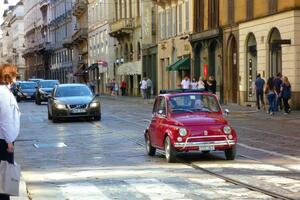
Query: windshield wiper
x=180 y=109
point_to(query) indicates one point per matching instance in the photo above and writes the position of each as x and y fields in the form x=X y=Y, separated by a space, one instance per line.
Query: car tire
x=230 y=153
x=18 y=99
x=170 y=151
x=150 y=149
x=97 y=117
x=49 y=116
x=55 y=119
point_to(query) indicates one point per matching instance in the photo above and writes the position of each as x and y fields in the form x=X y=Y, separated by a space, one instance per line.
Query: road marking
x=269 y=152
x=154 y=189
x=82 y=191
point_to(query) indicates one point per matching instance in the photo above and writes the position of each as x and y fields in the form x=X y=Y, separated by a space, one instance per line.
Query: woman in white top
x=194 y=84
x=201 y=84
x=9 y=116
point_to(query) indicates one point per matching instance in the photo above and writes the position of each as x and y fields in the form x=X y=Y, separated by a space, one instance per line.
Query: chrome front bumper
x=214 y=143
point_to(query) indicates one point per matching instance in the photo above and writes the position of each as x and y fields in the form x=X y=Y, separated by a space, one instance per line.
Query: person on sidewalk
x=201 y=84
x=286 y=94
x=212 y=84
x=149 y=87
x=259 y=90
x=194 y=84
x=9 y=116
x=270 y=92
x=143 y=86
x=277 y=85
x=185 y=83
x=123 y=87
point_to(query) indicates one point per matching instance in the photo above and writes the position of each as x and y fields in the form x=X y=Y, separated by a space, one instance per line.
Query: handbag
x=9 y=178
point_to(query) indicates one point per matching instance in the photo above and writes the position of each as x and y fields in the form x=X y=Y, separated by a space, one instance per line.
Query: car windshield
x=73 y=91
x=48 y=84
x=27 y=85
x=193 y=103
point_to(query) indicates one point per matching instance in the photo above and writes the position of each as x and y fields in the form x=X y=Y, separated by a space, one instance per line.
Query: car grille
x=78 y=106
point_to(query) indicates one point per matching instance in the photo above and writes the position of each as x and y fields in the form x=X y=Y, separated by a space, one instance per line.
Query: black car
x=25 y=90
x=73 y=100
x=44 y=89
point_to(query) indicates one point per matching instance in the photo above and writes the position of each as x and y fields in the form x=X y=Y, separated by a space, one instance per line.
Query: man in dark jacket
x=259 y=89
x=277 y=82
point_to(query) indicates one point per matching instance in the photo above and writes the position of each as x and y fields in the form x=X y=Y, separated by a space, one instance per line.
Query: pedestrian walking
x=149 y=87
x=194 y=84
x=270 y=92
x=259 y=90
x=116 y=88
x=112 y=87
x=212 y=84
x=143 y=86
x=277 y=82
x=201 y=84
x=123 y=87
x=185 y=83
x=9 y=116
x=92 y=86
x=286 y=94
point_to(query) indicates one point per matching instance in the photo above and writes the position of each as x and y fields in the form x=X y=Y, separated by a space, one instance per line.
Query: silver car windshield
x=73 y=91
x=193 y=103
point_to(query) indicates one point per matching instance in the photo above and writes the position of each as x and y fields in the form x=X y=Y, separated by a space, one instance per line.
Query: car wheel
x=169 y=151
x=55 y=119
x=97 y=117
x=150 y=149
x=230 y=153
x=49 y=116
x=18 y=99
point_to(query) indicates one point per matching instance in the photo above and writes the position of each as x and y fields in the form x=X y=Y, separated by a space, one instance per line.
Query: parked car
x=36 y=80
x=44 y=88
x=15 y=87
x=73 y=100
x=187 y=120
x=26 y=90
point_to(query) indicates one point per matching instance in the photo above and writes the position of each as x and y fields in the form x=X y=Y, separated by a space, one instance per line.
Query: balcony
x=79 y=7
x=80 y=35
x=121 y=27
x=67 y=42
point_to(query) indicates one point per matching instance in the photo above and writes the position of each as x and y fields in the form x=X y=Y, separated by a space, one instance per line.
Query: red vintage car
x=187 y=120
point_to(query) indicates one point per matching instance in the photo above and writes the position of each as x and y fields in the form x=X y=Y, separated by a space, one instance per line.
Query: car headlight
x=94 y=104
x=182 y=132
x=227 y=130
x=60 y=106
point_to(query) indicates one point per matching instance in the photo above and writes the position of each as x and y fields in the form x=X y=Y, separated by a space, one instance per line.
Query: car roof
x=71 y=85
x=179 y=92
x=27 y=82
x=48 y=80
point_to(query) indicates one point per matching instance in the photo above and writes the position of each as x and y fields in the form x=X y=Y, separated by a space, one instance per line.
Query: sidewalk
x=23 y=191
x=234 y=109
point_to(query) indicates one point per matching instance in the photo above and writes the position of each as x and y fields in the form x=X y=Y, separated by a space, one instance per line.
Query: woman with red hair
x=9 y=116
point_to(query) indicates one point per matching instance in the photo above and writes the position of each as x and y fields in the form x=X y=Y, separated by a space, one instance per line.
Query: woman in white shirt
x=9 y=116
x=201 y=84
x=194 y=84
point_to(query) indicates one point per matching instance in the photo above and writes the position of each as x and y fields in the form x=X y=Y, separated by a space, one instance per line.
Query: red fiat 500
x=186 y=120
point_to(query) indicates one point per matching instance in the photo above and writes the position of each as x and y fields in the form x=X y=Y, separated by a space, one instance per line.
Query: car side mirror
x=226 y=112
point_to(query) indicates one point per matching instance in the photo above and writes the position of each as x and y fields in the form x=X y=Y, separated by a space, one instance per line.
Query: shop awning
x=130 y=68
x=182 y=64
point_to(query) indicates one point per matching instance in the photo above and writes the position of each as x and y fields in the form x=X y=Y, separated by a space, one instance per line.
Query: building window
x=138 y=7
x=174 y=21
x=159 y=26
x=199 y=15
x=169 y=23
x=163 y=24
x=230 y=11
x=116 y=9
x=187 y=14
x=249 y=9
x=120 y=9
x=213 y=14
x=180 y=18
x=272 y=6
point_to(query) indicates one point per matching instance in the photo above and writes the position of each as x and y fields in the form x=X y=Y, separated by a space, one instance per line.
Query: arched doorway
x=275 y=53
x=232 y=71
x=251 y=66
x=215 y=64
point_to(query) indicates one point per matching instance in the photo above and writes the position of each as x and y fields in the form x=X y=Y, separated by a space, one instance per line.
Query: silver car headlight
x=60 y=106
x=182 y=132
x=94 y=104
x=227 y=130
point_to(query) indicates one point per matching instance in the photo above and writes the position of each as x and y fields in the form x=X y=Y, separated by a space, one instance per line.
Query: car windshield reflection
x=190 y=103
x=48 y=84
x=73 y=91
x=27 y=85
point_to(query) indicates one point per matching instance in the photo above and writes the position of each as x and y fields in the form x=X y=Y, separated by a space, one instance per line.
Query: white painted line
x=82 y=191
x=154 y=189
x=269 y=152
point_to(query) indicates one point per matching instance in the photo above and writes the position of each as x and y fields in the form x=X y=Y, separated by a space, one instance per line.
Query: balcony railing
x=79 y=7
x=80 y=35
x=121 y=27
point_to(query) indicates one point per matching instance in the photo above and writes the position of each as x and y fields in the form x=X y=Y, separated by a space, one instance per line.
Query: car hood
x=48 y=90
x=75 y=100
x=28 y=91
x=200 y=119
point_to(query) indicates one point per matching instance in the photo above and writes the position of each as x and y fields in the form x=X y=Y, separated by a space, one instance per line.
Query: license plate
x=207 y=148
x=28 y=97
x=78 y=111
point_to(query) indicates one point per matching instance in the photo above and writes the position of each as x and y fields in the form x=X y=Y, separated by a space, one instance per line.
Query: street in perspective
x=149 y=99
x=85 y=159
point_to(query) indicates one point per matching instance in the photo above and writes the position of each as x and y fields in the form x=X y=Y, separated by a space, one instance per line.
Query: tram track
x=252 y=187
